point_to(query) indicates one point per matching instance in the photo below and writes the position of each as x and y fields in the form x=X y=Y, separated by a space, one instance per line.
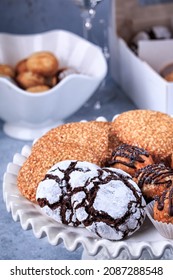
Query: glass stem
x=105 y=47
x=85 y=29
x=87 y=17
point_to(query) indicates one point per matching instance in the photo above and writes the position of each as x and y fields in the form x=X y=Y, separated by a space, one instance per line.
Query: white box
x=139 y=76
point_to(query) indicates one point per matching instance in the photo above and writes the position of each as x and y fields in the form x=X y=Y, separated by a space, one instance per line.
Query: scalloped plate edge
x=29 y=217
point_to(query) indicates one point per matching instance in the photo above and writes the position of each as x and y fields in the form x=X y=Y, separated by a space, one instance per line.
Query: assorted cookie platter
x=91 y=183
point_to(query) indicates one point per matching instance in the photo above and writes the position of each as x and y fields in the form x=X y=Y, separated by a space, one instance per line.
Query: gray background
x=34 y=16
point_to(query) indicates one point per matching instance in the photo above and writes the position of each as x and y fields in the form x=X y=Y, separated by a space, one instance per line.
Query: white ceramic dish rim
x=30 y=216
x=11 y=84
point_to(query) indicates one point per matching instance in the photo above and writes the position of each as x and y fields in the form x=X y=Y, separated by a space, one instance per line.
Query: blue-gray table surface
x=15 y=243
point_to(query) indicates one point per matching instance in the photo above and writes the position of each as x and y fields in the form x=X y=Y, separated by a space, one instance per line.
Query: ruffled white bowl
x=26 y=115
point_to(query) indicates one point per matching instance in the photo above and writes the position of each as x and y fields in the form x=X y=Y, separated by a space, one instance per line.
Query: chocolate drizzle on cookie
x=95 y=216
x=64 y=201
x=128 y=155
x=167 y=195
x=157 y=174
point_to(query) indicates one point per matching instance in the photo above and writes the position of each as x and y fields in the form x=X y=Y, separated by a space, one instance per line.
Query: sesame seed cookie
x=41 y=160
x=92 y=135
x=84 y=141
x=147 y=129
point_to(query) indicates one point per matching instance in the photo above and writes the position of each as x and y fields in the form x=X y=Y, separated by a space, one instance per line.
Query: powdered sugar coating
x=118 y=206
x=105 y=231
x=49 y=189
x=54 y=192
x=104 y=200
x=114 y=208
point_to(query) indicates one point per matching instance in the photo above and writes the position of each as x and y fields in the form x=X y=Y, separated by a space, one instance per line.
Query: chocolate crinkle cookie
x=106 y=201
x=62 y=181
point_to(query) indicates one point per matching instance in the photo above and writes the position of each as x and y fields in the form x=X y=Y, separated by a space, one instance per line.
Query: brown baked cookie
x=172 y=161
x=129 y=158
x=7 y=71
x=21 y=66
x=92 y=135
x=150 y=130
x=51 y=81
x=42 y=159
x=154 y=179
x=44 y=63
x=83 y=141
x=36 y=89
x=163 y=207
x=169 y=77
x=29 y=79
x=167 y=72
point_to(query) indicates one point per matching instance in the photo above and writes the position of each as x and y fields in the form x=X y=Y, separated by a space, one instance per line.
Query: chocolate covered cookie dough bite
x=154 y=179
x=129 y=158
x=163 y=207
x=160 y=212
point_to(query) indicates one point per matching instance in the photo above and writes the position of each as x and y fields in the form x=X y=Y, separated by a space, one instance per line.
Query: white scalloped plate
x=29 y=215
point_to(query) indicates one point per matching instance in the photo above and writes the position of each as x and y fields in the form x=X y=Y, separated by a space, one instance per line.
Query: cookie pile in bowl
x=44 y=78
x=101 y=175
x=39 y=72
